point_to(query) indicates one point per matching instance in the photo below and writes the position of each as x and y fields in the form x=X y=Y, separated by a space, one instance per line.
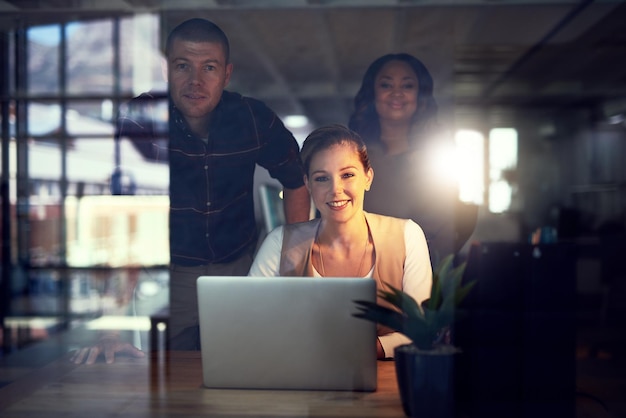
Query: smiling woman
x=337 y=175
x=396 y=114
x=346 y=241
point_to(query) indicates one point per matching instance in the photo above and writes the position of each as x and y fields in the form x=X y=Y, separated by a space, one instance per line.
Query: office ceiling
x=308 y=56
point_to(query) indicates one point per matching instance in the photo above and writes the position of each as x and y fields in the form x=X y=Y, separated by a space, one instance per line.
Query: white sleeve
x=418 y=273
x=267 y=260
x=416 y=280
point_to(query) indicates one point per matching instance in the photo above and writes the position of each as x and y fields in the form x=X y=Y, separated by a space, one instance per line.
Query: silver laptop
x=286 y=333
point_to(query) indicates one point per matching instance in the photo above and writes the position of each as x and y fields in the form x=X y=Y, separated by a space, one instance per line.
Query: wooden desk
x=170 y=384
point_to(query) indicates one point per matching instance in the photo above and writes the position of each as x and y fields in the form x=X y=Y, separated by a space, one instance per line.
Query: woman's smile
x=338 y=204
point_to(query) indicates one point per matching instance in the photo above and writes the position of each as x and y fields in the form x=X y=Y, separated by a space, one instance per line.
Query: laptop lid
x=286 y=333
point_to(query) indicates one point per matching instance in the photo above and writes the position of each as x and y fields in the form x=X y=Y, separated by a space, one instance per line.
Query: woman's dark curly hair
x=364 y=120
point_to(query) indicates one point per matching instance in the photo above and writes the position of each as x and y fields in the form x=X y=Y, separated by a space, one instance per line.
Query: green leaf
x=402 y=301
x=424 y=325
x=463 y=292
x=380 y=314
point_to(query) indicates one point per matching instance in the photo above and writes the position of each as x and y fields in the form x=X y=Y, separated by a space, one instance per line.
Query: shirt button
x=208 y=203
x=206 y=167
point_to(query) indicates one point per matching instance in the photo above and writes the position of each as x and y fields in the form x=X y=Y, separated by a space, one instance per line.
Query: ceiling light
x=296 y=121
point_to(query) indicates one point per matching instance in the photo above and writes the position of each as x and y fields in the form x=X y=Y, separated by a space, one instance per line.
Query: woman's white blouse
x=416 y=280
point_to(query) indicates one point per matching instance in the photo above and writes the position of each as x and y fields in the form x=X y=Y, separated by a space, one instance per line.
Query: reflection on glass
x=90 y=117
x=117 y=230
x=470 y=145
x=43 y=59
x=89 y=61
x=502 y=168
x=499 y=196
x=141 y=59
x=44 y=119
x=502 y=150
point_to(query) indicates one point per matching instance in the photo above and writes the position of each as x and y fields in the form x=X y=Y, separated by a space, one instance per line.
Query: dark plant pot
x=426 y=381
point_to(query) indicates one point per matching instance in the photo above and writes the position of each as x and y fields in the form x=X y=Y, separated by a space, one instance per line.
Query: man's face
x=197 y=75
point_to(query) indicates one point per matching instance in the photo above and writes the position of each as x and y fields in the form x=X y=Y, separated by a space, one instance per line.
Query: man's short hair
x=199 y=30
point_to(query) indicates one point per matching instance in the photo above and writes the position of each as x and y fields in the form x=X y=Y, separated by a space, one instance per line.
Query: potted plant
x=425 y=367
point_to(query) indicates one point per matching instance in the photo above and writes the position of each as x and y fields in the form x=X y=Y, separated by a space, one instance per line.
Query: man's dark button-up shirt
x=212 y=216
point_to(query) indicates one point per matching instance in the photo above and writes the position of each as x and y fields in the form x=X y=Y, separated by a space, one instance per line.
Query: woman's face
x=395 y=92
x=337 y=182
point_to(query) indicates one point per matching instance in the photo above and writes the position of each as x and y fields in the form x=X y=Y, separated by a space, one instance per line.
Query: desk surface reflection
x=170 y=384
